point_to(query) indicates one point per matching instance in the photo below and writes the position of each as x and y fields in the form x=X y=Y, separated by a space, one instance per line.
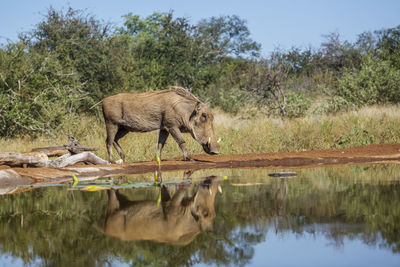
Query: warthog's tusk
x=209 y=140
x=220 y=189
x=210 y=191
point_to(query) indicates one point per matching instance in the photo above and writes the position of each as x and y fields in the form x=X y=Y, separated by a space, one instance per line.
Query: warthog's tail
x=98 y=228
x=96 y=104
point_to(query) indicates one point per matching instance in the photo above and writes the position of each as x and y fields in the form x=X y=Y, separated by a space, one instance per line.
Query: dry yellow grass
x=377 y=124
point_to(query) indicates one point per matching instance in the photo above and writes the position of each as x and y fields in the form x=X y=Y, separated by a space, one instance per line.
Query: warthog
x=177 y=220
x=173 y=111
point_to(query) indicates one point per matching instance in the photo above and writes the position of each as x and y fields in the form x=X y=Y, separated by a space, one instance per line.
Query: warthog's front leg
x=162 y=138
x=177 y=135
x=113 y=202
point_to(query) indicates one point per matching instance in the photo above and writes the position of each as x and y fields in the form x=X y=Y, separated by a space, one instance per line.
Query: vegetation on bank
x=245 y=133
x=53 y=74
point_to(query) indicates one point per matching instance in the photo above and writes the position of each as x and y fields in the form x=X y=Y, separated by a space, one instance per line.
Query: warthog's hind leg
x=121 y=133
x=112 y=130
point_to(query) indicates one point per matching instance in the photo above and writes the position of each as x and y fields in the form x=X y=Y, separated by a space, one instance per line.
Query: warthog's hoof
x=188 y=159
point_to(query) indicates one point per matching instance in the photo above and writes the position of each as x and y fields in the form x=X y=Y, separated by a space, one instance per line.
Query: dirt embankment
x=383 y=153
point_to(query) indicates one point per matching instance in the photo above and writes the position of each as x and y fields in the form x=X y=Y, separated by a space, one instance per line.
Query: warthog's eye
x=203 y=117
x=205 y=214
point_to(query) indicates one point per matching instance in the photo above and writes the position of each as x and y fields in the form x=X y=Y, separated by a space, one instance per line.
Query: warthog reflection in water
x=177 y=220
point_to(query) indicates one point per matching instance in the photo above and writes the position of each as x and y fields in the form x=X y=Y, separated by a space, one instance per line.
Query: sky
x=276 y=24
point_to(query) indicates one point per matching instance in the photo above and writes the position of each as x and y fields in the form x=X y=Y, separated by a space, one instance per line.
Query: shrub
x=338 y=103
x=376 y=82
x=37 y=94
x=230 y=100
x=297 y=104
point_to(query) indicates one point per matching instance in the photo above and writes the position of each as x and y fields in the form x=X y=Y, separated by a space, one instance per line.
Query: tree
x=266 y=82
x=82 y=43
x=227 y=35
x=168 y=50
x=388 y=45
x=335 y=54
x=57 y=70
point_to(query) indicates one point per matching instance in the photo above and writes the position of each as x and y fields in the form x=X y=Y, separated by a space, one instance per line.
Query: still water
x=332 y=216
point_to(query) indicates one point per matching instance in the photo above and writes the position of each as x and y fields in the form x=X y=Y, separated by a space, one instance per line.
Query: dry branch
x=74 y=148
x=13 y=159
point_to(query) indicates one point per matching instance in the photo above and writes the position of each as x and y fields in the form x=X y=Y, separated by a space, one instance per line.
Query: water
x=332 y=216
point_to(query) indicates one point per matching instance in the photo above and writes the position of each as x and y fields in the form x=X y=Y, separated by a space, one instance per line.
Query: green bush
x=297 y=104
x=230 y=100
x=37 y=93
x=357 y=136
x=376 y=82
x=338 y=103
x=83 y=45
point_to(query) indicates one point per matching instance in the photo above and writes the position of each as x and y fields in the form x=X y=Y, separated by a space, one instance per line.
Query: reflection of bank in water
x=177 y=220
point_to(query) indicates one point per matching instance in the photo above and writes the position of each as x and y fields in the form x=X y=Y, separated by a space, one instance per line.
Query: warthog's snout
x=209 y=148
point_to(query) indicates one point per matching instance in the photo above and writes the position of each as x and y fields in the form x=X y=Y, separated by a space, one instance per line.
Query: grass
x=241 y=134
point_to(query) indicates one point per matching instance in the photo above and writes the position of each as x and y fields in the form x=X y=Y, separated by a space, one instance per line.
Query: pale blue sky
x=283 y=23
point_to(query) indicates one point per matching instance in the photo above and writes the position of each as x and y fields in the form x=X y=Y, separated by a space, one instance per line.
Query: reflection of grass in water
x=255 y=135
x=370 y=173
x=320 y=178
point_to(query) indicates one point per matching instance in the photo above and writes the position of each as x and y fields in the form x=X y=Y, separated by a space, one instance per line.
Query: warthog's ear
x=196 y=110
x=202 y=107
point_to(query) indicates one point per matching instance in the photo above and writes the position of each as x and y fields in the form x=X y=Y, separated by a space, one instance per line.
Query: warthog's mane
x=183 y=92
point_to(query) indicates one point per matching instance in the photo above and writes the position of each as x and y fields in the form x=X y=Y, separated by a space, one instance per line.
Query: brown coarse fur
x=172 y=111
x=177 y=220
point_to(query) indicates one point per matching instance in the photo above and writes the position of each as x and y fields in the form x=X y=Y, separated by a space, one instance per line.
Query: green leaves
x=169 y=50
x=376 y=82
x=59 y=69
x=37 y=92
x=357 y=136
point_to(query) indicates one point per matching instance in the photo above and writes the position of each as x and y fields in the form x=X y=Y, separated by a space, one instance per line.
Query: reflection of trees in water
x=59 y=226
x=369 y=212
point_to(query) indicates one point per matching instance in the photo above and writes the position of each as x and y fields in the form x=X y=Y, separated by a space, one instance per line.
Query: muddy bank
x=383 y=153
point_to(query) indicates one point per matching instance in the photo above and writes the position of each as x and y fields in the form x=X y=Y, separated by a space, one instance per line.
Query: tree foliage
x=59 y=69
x=82 y=43
x=37 y=92
x=168 y=50
x=375 y=83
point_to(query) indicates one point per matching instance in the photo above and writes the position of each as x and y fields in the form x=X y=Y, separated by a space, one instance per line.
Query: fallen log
x=39 y=157
x=13 y=159
x=68 y=160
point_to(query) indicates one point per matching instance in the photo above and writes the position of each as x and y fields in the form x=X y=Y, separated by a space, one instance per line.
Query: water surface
x=332 y=216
